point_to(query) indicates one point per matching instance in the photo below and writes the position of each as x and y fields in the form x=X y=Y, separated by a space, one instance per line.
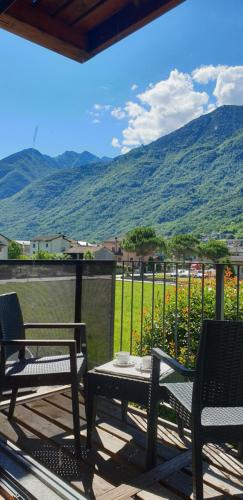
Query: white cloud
x=118 y=113
x=125 y=150
x=206 y=73
x=134 y=86
x=229 y=86
x=229 y=82
x=171 y=103
x=115 y=143
x=162 y=108
x=102 y=107
x=98 y=111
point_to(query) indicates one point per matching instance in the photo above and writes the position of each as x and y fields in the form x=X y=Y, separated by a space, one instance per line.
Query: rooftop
x=50 y=237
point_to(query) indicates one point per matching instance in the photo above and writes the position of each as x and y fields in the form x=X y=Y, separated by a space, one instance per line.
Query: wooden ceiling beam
x=45 y=40
x=131 y=18
x=80 y=28
x=76 y=10
x=99 y=14
x=34 y=20
x=5 y=4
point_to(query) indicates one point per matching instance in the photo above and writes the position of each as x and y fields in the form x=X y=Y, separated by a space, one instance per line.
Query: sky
x=182 y=65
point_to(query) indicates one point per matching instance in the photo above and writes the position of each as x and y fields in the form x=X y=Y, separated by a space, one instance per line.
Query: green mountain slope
x=189 y=180
x=20 y=169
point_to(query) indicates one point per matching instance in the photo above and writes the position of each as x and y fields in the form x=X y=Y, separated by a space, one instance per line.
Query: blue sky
x=141 y=88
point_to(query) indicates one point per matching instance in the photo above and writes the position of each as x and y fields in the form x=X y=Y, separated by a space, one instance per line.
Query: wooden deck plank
x=215 y=478
x=161 y=471
x=171 y=436
x=218 y=455
x=105 y=462
x=153 y=492
x=88 y=480
x=114 y=426
x=116 y=447
x=113 y=468
x=181 y=484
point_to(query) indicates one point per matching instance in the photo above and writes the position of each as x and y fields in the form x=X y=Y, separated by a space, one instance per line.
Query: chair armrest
x=79 y=332
x=53 y=325
x=24 y=342
x=173 y=363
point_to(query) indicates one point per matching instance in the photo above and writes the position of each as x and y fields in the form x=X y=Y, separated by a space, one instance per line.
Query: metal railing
x=160 y=302
x=154 y=303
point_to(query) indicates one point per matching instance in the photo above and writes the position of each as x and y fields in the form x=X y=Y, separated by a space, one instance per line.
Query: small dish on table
x=123 y=365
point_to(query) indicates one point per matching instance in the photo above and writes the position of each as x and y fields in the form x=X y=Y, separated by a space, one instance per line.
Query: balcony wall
x=66 y=291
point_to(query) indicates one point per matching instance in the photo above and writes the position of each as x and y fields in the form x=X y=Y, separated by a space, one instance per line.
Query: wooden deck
x=114 y=469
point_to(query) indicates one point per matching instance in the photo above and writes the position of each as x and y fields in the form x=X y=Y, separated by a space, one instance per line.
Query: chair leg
x=90 y=415
x=151 y=448
x=85 y=384
x=197 y=470
x=76 y=421
x=240 y=450
x=12 y=403
x=180 y=427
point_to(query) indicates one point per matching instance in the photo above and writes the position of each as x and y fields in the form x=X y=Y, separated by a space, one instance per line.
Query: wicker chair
x=19 y=371
x=213 y=404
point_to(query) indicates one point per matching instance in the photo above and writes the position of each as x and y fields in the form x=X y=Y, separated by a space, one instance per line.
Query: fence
x=165 y=302
x=66 y=291
x=159 y=303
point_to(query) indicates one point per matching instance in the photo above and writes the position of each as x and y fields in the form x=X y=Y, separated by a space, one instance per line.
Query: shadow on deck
x=114 y=469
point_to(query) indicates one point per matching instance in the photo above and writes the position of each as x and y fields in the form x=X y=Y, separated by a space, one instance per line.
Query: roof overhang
x=79 y=29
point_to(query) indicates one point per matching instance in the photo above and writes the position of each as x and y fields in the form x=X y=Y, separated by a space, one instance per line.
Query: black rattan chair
x=213 y=404
x=19 y=371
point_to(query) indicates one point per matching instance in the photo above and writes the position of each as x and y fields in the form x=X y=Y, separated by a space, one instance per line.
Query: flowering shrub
x=176 y=327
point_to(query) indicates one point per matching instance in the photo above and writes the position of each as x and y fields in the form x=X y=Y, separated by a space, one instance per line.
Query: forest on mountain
x=188 y=181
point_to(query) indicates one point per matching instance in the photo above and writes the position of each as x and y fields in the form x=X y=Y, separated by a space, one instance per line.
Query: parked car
x=183 y=273
x=197 y=274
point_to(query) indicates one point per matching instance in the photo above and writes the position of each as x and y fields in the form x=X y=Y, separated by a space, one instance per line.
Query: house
x=115 y=246
x=4 y=242
x=52 y=243
x=235 y=247
x=78 y=251
x=98 y=252
x=103 y=253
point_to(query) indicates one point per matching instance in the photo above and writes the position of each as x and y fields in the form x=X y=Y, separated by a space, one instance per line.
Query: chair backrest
x=219 y=380
x=11 y=321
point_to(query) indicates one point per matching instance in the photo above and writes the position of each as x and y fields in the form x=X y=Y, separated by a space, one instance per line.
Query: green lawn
x=48 y=301
x=136 y=310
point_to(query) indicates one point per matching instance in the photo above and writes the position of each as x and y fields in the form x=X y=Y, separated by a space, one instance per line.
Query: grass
x=133 y=315
x=48 y=301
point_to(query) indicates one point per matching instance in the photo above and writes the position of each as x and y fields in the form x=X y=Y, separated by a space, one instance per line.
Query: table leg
x=151 y=445
x=91 y=415
x=124 y=405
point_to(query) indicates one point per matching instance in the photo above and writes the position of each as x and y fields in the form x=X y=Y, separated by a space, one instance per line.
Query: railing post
x=78 y=300
x=219 y=312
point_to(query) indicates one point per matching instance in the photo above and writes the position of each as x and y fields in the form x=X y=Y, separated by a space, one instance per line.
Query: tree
x=183 y=246
x=214 y=250
x=88 y=255
x=14 y=250
x=44 y=255
x=143 y=241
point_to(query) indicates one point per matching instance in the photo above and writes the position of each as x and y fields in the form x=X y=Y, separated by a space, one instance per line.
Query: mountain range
x=188 y=181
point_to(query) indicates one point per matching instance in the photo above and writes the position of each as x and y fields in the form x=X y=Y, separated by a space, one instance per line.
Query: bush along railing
x=163 y=304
